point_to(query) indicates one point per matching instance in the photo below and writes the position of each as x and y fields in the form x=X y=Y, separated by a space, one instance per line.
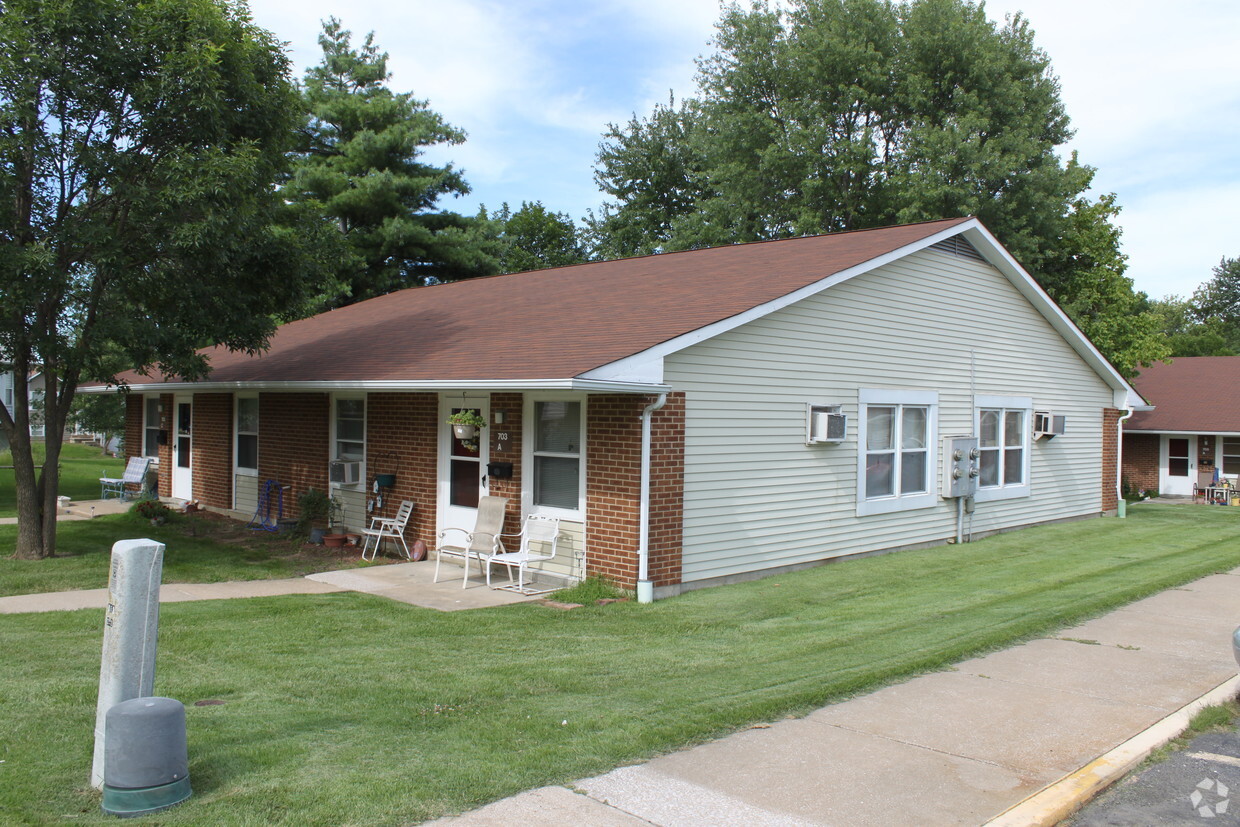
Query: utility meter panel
x=960 y=466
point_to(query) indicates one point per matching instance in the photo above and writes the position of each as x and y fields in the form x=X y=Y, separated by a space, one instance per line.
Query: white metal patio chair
x=539 y=537
x=135 y=474
x=389 y=527
x=481 y=544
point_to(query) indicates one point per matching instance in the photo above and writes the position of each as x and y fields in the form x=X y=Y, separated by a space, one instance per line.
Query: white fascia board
x=1001 y=260
x=977 y=235
x=732 y=322
x=568 y=384
x=1199 y=432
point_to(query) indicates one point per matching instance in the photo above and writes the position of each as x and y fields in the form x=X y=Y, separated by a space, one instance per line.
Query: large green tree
x=533 y=238
x=138 y=147
x=361 y=164
x=819 y=115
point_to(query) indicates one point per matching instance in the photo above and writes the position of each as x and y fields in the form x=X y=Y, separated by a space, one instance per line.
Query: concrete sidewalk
x=966 y=746
x=403 y=582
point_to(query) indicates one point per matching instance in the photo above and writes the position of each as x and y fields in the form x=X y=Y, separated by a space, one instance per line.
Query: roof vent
x=958 y=245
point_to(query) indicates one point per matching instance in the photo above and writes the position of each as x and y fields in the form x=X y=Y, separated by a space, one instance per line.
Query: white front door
x=462 y=464
x=1178 y=468
x=182 y=448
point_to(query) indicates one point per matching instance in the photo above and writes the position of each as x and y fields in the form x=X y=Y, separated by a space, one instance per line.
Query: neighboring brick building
x=1191 y=437
x=690 y=418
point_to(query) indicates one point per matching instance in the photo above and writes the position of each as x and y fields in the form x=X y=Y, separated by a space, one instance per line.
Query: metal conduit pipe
x=645 y=588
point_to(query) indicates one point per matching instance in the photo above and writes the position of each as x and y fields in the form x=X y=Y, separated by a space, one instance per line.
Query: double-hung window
x=247 y=435
x=1003 y=435
x=896 y=463
x=350 y=428
x=556 y=434
x=1231 y=455
x=152 y=412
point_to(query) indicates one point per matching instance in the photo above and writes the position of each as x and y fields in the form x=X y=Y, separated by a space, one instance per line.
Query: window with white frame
x=896 y=464
x=152 y=413
x=247 y=435
x=350 y=428
x=556 y=454
x=1003 y=434
x=1231 y=455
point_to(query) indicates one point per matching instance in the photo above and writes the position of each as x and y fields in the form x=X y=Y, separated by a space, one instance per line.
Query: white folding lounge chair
x=135 y=474
x=392 y=527
x=481 y=544
x=539 y=537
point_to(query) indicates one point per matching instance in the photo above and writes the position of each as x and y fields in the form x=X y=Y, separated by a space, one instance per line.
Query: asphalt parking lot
x=1198 y=784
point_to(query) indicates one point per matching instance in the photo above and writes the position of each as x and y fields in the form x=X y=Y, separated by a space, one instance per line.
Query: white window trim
x=146 y=426
x=898 y=502
x=528 y=507
x=1025 y=403
x=237 y=469
x=332 y=445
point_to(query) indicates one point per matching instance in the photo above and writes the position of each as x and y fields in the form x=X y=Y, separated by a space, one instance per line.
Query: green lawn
x=81 y=466
x=200 y=548
x=351 y=709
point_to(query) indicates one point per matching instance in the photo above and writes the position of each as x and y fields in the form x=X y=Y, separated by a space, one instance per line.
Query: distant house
x=1192 y=436
x=797 y=394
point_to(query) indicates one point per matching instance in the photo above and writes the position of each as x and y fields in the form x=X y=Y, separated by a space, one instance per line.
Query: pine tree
x=361 y=164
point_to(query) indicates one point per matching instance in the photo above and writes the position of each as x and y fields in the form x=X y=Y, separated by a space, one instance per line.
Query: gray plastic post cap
x=145 y=743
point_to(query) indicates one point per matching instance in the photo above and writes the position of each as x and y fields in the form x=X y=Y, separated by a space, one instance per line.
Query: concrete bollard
x=130 y=634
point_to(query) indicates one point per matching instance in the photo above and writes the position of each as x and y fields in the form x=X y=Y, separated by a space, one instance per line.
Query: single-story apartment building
x=691 y=417
x=1192 y=435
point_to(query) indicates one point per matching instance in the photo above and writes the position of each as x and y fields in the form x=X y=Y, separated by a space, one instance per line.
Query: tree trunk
x=30 y=486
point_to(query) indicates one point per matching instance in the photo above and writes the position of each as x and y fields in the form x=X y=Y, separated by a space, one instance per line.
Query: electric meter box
x=960 y=466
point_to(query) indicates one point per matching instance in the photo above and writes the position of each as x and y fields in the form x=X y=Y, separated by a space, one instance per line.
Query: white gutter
x=1121 y=507
x=645 y=588
x=566 y=384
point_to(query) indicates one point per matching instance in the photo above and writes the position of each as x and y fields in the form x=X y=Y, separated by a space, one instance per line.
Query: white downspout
x=645 y=588
x=1121 y=507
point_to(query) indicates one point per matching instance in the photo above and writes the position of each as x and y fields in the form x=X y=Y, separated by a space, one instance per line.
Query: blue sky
x=1153 y=90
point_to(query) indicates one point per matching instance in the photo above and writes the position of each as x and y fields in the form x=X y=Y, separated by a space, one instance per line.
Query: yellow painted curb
x=1060 y=799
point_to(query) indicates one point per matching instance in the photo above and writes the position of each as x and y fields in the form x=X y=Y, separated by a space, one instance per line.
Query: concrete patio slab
x=1158 y=680
x=412 y=583
x=806 y=772
x=546 y=807
x=1043 y=733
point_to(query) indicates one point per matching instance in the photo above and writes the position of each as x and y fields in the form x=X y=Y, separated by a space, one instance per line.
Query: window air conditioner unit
x=825 y=424
x=1047 y=424
x=344 y=473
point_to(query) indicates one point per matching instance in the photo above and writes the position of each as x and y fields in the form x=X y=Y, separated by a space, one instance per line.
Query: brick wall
x=1141 y=461
x=293 y=432
x=613 y=488
x=212 y=445
x=165 y=450
x=134 y=436
x=509 y=450
x=402 y=439
x=1110 y=450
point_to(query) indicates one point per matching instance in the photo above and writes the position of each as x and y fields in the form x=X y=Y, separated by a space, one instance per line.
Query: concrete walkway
x=1020 y=736
x=403 y=582
x=84 y=510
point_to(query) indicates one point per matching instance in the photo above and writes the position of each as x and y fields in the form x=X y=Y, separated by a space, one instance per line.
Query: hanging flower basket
x=466 y=424
x=465 y=431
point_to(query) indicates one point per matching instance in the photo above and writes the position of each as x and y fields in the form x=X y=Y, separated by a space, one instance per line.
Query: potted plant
x=465 y=424
x=314 y=508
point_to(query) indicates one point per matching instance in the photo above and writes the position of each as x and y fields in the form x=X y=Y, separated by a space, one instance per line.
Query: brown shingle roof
x=1195 y=393
x=556 y=323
